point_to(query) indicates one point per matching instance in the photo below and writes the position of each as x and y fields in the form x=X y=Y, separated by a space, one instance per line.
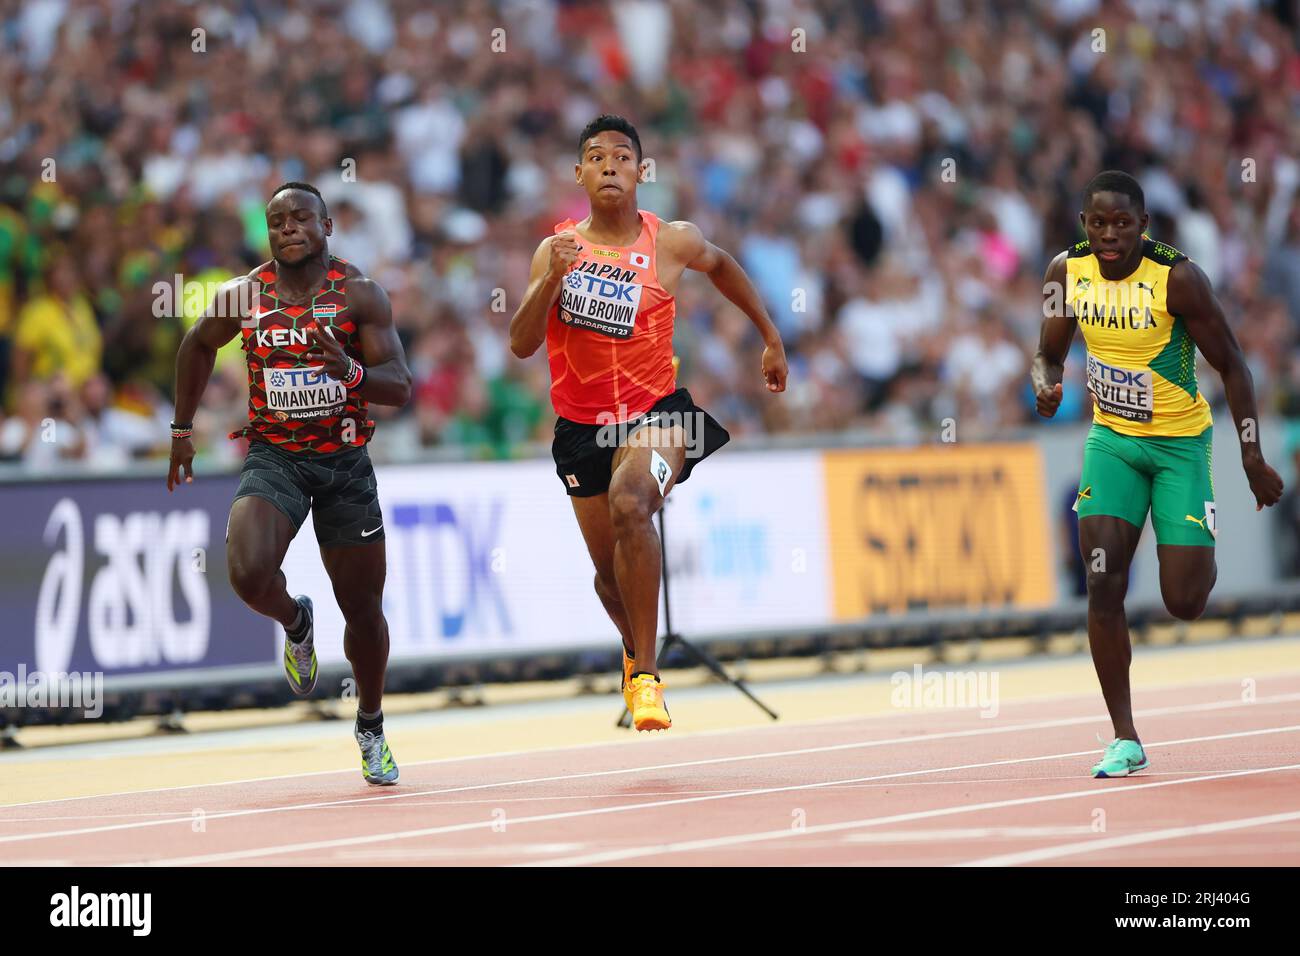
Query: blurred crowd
x=893 y=174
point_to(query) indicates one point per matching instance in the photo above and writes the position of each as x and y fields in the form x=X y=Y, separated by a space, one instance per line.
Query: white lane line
x=946 y=834
x=186 y=816
x=483 y=801
x=1132 y=839
x=687 y=846
x=258 y=852
x=555 y=798
x=831 y=721
x=450 y=852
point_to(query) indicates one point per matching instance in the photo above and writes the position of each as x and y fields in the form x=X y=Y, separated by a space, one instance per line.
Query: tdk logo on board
x=453 y=549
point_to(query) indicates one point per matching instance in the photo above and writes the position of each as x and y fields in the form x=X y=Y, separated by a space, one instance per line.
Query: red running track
x=907 y=788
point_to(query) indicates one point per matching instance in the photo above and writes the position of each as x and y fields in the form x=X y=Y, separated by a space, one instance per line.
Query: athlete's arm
x=553 y=258
x=197 y=355
x=697 y=253
x=1054 y=340
x=387 y=379
x=1191 y=297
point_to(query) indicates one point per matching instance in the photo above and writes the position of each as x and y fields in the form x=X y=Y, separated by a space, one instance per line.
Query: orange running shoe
x=629 y=665
x=648 y=709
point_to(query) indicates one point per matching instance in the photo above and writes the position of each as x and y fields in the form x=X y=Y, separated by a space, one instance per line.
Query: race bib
x=604 y=305
x=302 y=393
x=1124 y=392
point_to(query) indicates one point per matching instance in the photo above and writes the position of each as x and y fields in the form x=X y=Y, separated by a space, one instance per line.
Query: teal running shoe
x=1121 y=758
x=377 y=763
x=300 y=656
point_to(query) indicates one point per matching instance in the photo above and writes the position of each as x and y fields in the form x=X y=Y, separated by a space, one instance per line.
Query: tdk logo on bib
x=1121 y=376
x=298 y=377
x=302 y=392
x=618 y=292
x=1125 y=392
x=604 y=305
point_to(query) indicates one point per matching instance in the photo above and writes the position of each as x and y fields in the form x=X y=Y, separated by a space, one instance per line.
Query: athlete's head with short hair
x=1116 y=181
x=611 y=123
x=609 y=159
x=1114 y=217
x=307 y=188
x=297 y=223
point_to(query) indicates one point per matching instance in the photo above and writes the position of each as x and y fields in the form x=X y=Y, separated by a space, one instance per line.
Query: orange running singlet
x=609 y=338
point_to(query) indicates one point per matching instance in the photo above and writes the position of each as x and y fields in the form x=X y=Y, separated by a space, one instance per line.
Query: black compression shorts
x=338 y=489
x=584 y=454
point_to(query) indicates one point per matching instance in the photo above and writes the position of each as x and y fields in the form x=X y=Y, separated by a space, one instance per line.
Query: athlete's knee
x=361 y=608
x=250 y=578
x=607 y=589
x=361 y=611
x=628 y=510
x=1107 y=589
x=1186 y=589
x=1187 y=604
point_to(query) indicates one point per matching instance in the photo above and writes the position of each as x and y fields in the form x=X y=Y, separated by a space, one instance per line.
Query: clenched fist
x=1265 y=483
x=1049 y=399
x=564 y=253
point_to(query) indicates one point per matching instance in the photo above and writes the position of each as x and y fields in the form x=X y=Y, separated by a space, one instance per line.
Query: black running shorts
x=584 y=454
x=339 y=490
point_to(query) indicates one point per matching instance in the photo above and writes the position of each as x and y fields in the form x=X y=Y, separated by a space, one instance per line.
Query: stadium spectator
x=911 y=168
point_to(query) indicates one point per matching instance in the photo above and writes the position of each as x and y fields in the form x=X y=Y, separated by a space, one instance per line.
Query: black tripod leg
x=713 y=664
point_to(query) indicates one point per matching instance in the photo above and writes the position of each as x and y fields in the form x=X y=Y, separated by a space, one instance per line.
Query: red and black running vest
x=293 y=405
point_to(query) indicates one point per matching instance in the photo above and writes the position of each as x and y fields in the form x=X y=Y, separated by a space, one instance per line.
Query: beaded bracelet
x=184 y=430
x=356 y=375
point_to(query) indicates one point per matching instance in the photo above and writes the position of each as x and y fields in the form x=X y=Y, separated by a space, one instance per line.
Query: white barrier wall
x=747 y=544
x=488 y=558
